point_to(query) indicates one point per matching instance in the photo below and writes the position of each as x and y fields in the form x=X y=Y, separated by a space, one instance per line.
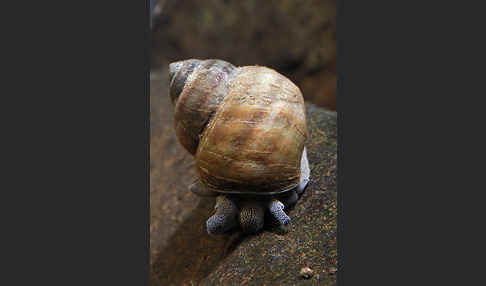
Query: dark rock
x=320 y=88
x=181 y=251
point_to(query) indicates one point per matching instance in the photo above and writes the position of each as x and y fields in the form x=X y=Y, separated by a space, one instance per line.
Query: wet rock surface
x=181 y=251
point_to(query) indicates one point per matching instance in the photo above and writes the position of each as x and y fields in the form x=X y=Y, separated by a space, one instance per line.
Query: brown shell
x=196 y=88
x=255 y=135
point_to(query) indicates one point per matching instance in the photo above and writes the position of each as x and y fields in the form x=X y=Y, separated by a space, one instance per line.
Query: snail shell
x=245 y=126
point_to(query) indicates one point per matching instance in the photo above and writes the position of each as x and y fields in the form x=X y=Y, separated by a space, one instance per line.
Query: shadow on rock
x=191 y=254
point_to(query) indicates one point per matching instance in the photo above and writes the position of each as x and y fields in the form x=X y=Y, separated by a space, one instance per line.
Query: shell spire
x=196 y=88
x=178 y=73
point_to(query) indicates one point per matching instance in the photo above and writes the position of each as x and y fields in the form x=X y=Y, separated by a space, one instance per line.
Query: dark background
x=296 y=38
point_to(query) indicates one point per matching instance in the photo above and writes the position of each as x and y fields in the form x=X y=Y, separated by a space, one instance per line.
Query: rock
x=181 y=251
x=306 y=272
x=320 y=88
x=296 y=38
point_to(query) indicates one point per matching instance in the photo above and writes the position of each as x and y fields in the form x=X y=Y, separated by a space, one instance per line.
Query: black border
x=148 y=50
x=78 y=143
x=340 y=146
x=80 y=138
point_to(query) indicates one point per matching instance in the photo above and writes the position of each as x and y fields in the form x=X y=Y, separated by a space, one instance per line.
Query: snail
x=245 y=127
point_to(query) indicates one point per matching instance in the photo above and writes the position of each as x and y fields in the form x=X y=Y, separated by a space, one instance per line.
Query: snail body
x=246 y=128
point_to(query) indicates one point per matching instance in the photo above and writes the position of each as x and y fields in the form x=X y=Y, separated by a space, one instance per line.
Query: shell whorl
x=246 y=126
x=196 y=87
x=255 y=139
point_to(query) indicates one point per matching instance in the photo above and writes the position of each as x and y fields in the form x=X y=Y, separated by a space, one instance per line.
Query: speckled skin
x=246 y=128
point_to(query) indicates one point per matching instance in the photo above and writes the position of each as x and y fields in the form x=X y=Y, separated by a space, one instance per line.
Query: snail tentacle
x=225 y=217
